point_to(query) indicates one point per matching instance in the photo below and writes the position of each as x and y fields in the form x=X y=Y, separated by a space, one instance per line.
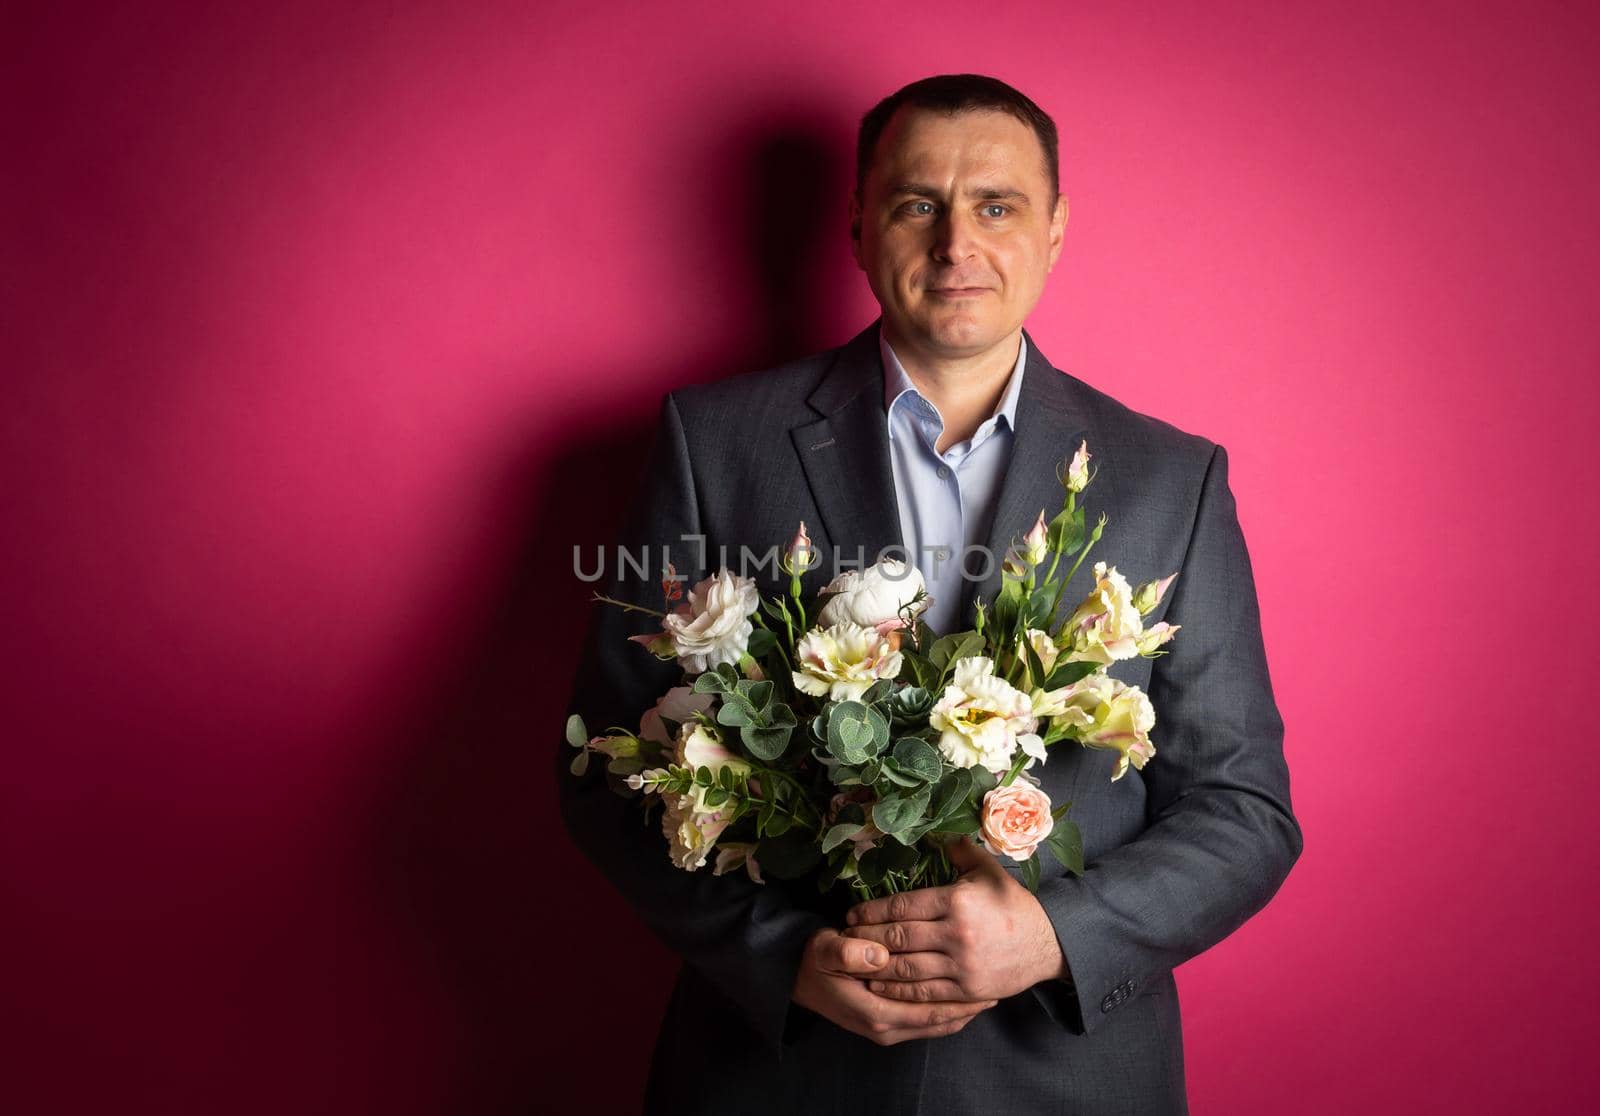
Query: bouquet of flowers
x=840 y=737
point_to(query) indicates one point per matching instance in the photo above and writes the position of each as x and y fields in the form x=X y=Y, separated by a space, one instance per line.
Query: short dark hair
x=953 y=93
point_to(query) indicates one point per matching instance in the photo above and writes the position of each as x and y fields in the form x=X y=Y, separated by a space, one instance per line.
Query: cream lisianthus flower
x=1102 y=712
x=1106 y=626
x=842 y=660
x=982 y=719
x=873 y=597
x=713 y=626
x=691 y=832
x=1044 y=647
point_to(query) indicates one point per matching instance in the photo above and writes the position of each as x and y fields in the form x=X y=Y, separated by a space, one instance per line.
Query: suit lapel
x=845 y=454
x=1049 y=427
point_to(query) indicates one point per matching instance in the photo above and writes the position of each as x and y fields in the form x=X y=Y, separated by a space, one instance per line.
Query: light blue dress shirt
x=946 y=500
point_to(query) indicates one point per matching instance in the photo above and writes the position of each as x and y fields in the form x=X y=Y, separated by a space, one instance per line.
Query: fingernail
x=875 y=957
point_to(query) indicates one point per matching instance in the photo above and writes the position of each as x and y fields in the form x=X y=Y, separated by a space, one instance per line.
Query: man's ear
x=855 y=227
x=1058 y=226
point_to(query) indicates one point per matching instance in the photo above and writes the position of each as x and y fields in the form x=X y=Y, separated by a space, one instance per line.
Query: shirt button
x=943 y=472
x=942 y=553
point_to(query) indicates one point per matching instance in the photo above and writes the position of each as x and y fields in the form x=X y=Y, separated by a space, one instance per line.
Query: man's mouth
x=957 y=292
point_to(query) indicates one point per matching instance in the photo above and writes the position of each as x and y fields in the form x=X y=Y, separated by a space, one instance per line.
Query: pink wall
x=325 y=331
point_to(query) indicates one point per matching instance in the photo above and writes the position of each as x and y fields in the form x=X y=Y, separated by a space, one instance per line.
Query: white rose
x=873 y=597
x=713 y=626
x=841 y=661
x=982 y=719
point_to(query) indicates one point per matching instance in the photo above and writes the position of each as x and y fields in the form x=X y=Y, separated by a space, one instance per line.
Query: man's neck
x=965 y=389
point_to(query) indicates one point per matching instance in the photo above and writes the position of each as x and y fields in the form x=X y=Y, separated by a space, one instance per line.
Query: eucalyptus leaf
x=900 y=812
x=838 y=835
x=577 y=735
x=766 y=742
x=580 y=763
x=710 y=683
x=918 y=758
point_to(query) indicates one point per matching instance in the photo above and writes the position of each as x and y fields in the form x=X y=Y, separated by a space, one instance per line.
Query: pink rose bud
x=801 y=555
x=1015 y=820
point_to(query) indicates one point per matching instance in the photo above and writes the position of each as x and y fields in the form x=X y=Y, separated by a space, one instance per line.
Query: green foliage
x=1066 y=845
x=1030 y=873
x=917 y=758
x=577 y=735
x=855 y=732
x=788 y=855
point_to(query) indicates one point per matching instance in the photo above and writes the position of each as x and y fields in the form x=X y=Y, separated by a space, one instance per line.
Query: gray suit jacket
x=1177 y=855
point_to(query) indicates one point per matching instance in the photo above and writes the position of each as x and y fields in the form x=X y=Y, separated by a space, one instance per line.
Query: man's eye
x=922 y=208
x=994 y=209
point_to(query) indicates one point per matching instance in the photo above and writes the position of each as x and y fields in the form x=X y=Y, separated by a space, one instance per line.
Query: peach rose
x=1015 y=820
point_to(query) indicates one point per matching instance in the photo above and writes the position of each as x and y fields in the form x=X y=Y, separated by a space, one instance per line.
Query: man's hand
x=984 y=937
x=830 y=982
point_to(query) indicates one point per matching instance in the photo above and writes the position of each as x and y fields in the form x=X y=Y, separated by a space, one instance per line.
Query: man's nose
x=953 y=236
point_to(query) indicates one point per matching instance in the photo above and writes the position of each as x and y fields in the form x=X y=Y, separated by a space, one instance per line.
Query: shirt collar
x=896 y=382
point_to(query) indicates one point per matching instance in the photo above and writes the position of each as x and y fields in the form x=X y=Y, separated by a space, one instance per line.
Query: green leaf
x=1030 y=873
x=1036 y=671
x=879 y=690
x=1066 y=845
x=891 y=772
x=838 y=835
x=1065 y=674
x=983 y=780
x=918 y=669
x=779 y=823
x=577 y=735
x=710 y=683
x=735 y=711
x=852 y=735
x=1065 y=532
x=952 y=792
x=766 y=742
x=757 y=694
x=716 y=796
x=626 y=765
x=946 y=649
x=580 y=763
x=762 y=641
x=900 y=812
x=961 y=821
x=918 y=758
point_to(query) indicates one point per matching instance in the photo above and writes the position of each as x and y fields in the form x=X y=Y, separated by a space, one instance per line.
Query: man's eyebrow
x=986 y=193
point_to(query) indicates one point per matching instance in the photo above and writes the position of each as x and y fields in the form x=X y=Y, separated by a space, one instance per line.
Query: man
x=940 y=429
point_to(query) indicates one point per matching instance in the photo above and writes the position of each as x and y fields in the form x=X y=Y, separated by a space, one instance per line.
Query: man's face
x=956 y=229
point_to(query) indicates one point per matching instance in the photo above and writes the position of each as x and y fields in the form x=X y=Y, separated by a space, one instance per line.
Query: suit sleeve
x=746 y=938
x=1221 y=836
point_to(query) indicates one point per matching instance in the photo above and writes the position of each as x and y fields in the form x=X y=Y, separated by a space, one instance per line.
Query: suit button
x=1107 y=1004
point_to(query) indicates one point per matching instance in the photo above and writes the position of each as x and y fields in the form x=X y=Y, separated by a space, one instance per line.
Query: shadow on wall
x=558 y=988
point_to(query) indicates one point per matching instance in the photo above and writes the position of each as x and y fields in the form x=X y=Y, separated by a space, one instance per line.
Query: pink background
x=328 y=333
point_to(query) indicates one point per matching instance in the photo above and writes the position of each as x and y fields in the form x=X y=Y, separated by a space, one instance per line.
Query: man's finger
x=917 y=991
x=905 y=937
x=921 y=966
x=938 y=1030
x=850 y=956
x=924 y=904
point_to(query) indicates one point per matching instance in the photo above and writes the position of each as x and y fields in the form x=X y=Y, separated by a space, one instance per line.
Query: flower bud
x=1078 y=471
x=1034 y=543
x=1148 y=595
x=801 y=555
